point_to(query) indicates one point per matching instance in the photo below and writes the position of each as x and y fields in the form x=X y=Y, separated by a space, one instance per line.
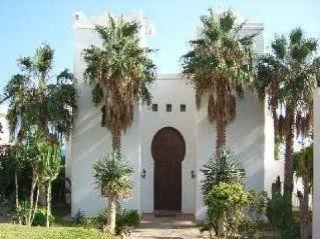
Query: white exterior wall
x=316 y=166
x=5 y=135
x=249 y=136
x=170 y=89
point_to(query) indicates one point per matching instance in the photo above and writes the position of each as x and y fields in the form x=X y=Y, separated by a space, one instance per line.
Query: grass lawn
x=10 y=231
x=61 y=229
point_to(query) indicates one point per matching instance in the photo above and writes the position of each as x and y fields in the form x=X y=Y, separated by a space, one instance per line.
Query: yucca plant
x=219 y=67
x=112 y=175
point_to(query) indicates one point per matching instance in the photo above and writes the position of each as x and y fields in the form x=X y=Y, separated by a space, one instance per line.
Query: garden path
x=174 y=227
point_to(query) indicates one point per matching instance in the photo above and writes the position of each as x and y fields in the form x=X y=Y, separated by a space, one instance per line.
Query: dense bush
x=81 y=218
x=40 y=218
x=232 y=212
x=279 y=215
x=126 y=220
x=226 y=204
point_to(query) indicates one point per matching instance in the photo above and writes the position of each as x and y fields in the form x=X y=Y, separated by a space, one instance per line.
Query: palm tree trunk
x=48 y=204
x=33 y=185
x=116 y=140
x=304 y=208
x=17 y=195
x=288 y=165
x=221 y=136
x=111 y=221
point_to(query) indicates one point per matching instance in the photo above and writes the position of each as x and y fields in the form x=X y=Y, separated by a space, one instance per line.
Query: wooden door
x=168 y=151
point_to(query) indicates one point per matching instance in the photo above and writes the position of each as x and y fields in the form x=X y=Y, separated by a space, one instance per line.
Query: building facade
x=168 y=142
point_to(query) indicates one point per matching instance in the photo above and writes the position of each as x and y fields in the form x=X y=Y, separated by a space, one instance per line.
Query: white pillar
x=316 y=166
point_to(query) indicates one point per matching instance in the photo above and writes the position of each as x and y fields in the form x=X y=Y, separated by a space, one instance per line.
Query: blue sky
x=25 y=24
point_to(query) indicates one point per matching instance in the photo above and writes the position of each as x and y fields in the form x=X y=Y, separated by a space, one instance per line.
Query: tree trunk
x=111 y=221
x=36 y=204
x=17 y=195
x=288 y=165
x=33 y=185
x=221 y=137
x=48 y=204
x=221 y=227
x=116 y=140
x=304 y=208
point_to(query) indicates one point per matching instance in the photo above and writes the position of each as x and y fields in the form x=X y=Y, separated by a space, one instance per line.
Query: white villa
x=172 y=132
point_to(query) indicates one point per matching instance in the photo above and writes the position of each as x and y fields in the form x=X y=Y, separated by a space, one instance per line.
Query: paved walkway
x=178 y=227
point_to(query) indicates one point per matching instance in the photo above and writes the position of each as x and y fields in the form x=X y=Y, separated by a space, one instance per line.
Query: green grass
x=10 y=231
x=61 y=229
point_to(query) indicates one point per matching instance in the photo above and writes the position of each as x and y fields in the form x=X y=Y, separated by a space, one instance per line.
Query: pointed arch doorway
x=168 y=151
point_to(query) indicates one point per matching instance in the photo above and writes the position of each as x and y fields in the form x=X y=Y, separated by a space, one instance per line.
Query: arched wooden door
x=168 y=150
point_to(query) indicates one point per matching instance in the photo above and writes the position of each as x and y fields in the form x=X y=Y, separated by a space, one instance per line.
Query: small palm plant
x=112 y=176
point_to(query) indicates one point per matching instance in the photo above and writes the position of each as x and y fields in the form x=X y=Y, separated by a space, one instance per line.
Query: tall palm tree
x=120 y=72
x=287 y=77
x=219 y=67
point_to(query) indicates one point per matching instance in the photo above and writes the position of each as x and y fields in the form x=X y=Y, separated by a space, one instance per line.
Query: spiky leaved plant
x=112 y=175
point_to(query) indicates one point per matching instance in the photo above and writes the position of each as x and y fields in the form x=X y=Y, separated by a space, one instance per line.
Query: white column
x=316 y=167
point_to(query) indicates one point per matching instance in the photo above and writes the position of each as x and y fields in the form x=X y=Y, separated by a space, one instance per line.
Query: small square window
x=169 y=107
x=154 y=107
x=183 y=108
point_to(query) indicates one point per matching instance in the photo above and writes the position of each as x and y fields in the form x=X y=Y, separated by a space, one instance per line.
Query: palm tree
x=219 y=67
x=36 y=100
x=120 y=73
x=287 y=77
x=112 y=176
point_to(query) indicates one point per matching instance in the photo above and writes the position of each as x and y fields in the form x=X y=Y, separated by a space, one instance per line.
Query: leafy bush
x=81 y=218
x=226 y=203
x=6 y=204
x=258 y=206
x=126 y=220
x=279 y=215
x=40 y=218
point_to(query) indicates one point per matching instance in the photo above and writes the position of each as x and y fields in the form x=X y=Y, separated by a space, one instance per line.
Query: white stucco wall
x=169 y=89
x=5 y=135
x=316 y=166
x=249 y=136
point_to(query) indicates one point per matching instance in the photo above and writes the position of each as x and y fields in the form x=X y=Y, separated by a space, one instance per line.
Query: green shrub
x=40 y=218
x=258 y=207
x=279 y=214
x=81 y=218
x=126 y=220
x=226 y=204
